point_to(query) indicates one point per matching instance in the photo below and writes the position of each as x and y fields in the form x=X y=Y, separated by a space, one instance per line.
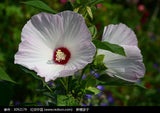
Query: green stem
x=49 y=89
x=63 y=84
x=80 y=78
x=47 y=86
x=66 y=85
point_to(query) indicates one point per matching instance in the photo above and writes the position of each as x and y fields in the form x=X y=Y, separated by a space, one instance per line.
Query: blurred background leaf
x=40 y=5
x=139 y=15
x=4 y=76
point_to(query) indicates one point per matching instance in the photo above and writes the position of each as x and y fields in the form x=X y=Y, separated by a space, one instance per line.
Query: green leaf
x=139 y=85
x=94 y=90
x=32 y=73
x=89 y=11
x=91 y=82
x=98 y=62
x=104 y=79
x=76 y=10
x=63 y=100
x=93 y=31
x=50 y=95
x=5 y=76
x=110 y=47
x=40 y=5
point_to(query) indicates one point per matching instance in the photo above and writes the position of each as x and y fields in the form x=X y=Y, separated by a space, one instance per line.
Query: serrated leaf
x=5 y=76
x=94 y=90
x=40 y=5
x=63 y=100
x=114 y=48
x=89 y=11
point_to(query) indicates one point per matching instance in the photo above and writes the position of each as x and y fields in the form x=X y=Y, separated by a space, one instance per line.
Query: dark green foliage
x=30 y=89
x=110 y=47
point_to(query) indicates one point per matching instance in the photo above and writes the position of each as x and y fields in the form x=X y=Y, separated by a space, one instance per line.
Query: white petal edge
x=119 y=34
x=45 y=27
x=130 y=68
x=75 y=29
x=32 y=52
x=83 y=50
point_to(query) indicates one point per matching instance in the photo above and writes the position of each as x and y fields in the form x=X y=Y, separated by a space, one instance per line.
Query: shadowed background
x=142 y=16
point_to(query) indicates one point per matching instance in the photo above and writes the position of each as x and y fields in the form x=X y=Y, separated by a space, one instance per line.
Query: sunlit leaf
x=89 y=11
x=98 y=62
x=94 y=90
x=76 y=10
x=98 y=59
x=40 y=5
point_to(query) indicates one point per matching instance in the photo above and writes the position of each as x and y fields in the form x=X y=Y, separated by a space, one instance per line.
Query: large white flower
x=55 y=45
x=129 y=68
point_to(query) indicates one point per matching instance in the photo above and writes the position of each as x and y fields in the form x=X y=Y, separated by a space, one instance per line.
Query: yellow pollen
x=60 y=55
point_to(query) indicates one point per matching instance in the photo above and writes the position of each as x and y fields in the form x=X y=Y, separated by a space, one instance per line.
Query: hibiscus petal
x=129 y=68
x=44 y=33
x=75 y=29
x=119 y=34
x=39 y=38
x=45 y=27
x=77 y=39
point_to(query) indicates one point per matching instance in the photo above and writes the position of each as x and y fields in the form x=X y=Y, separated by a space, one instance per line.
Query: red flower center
x=61 y=55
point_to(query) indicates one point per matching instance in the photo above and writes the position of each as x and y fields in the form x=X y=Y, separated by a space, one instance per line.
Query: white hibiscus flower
x=129 y=68
x=55 y=45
